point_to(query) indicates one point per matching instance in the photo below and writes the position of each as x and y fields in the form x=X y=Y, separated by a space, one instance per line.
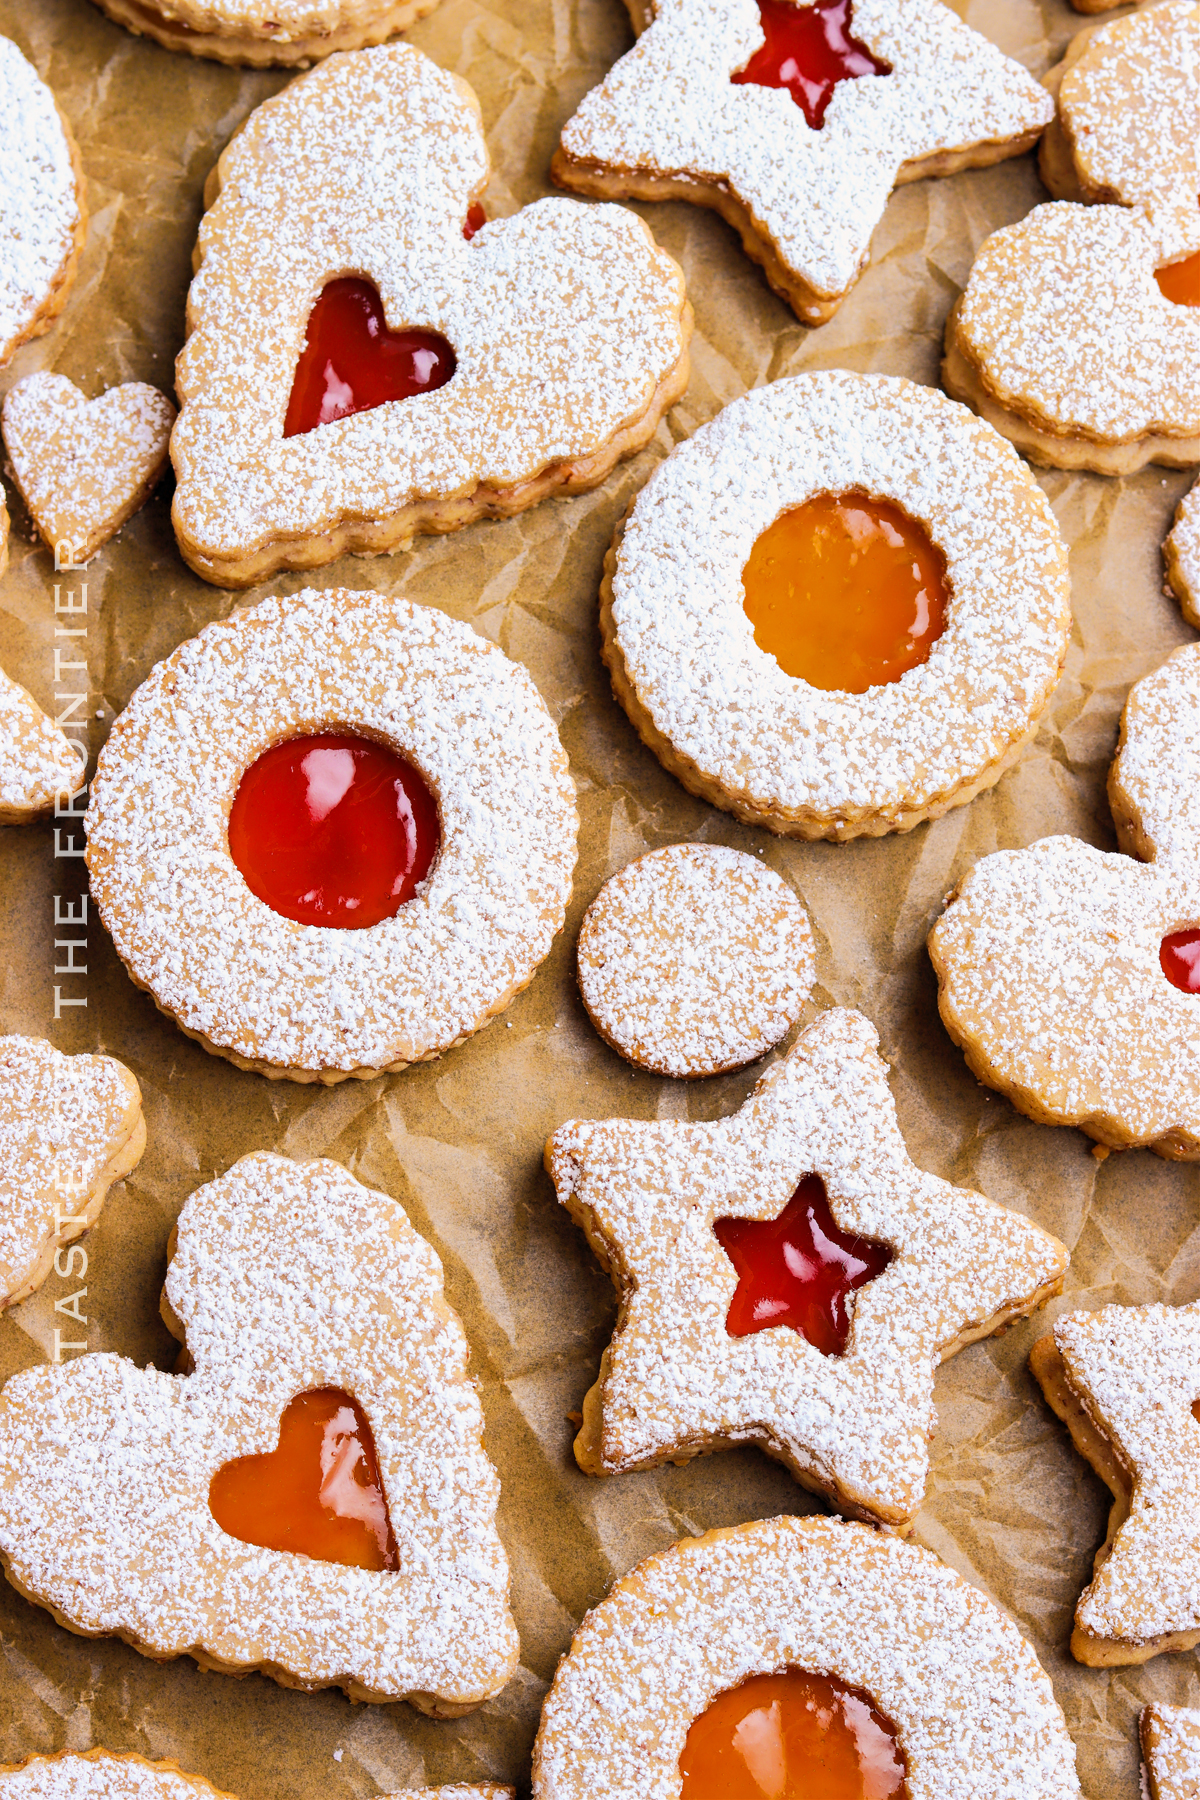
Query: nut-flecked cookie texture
x=311 y=1002
x=38 y=761
x=675 y=1382
x=70 y=1126
x=43 y=219
x=568 y=324
x=286 y=1277
x=694 y=959
x=102 y=1775
x=1126 y=1380
x=1170 y=1737
x=262 y=33
x=1049 y=959
x=668 y=123
x=1181 y=553
x=765 y=745
x=1063 y=338
x=974 y=1711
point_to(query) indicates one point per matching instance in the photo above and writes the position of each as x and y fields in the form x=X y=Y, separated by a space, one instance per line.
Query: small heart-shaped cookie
x=85 y=466
x=38 y=761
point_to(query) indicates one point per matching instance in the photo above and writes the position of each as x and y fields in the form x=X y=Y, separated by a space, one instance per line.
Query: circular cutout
x=694 y=959
x=1180 y=281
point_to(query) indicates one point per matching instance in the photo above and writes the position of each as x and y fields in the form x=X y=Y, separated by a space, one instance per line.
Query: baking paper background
x=459 y=1141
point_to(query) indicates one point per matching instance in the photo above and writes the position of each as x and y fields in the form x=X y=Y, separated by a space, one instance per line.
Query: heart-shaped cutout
x=85 y=466
x=318 y=1494
x=351 y=362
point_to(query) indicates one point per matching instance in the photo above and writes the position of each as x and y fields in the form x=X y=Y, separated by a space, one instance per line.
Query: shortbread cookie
x=102 y=1775
x=526 y=361
x=1170 y=1738
x=694 y=959
x=1181 y=553
x=734 y=106
x=38 y=761
x=1078 y=335
x=43 y=219
x=3 y=534
x=815 y=1334
x=1069 y=975
x=293 y=1286
x=84 y=467
x=481 y=857
x=911 y=714
x=266 y=32
x=1126 y=1380
x=488 y=1791
x=950 y=1678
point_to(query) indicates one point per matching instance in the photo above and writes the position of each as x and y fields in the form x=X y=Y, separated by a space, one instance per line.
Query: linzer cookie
x=266 y=32
x=312 y=1499
x=465 y=370
x=101 y=1775
x=913 y=692
x=1126 y=1381
x=38 y=761
x=1078 y=335
x=1181 y=553
x=789 y=1277
x=1170 y=1738
x=800 y=1656
x=43 y=219
x=1070 y=976
x=795 y=123
x=333 y=834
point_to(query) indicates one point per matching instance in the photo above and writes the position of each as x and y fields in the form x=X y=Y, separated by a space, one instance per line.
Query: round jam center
x=351 y=362
x=798 y=1269
x=333 y=830
x=1180 y=281
x=846 y=592
x=1179 y=955
x=792 y=1736
x=319 y=1494
x=808 y=50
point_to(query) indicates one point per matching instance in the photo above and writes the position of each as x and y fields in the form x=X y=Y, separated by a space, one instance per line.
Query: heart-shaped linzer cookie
x=85 y=466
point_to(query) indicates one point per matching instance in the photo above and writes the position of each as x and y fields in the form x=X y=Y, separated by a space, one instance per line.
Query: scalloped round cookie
x=1181 y=554
x=102 y=1775
x=266 y=33
x=43 y=219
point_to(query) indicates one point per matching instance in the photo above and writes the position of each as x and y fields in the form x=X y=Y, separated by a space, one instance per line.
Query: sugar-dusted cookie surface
x=671 y=121
x=567 y=329
x=1065 y=338
x=102 y=1775
x=811 y=762
x=974 y=1712
x=1126 y=1381
x=1170 y=1738
x=694 y=959
x=43 y=219
x=1181 y=553
x=1050 y=961
x=38 y=761
x=84 y=466
x=456 y=1791
x=675 y=1380
x=286 y=1278
x=262 y=33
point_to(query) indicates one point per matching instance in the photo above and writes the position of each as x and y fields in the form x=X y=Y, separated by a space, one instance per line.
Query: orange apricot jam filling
x=1180 y=281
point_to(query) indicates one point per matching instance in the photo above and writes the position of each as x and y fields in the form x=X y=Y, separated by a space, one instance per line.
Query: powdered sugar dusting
x=1183 y=556
x=1171 y=1742
x=100 y=1776
x=37 y=759
x=39 y=205
x=1155 y=780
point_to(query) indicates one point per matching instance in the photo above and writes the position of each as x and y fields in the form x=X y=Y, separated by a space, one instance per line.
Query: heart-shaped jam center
x=792 y=1736
x=351 y=362
x=319 y=1494
x=798 y=1269
x=846 y=592
x=1179 y=955
x=333 y=830
x=808 y=50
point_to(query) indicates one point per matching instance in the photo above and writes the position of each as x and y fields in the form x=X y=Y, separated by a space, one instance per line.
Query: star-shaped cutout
x=1126 y=1380
x=681 y=116
x=675 y=1380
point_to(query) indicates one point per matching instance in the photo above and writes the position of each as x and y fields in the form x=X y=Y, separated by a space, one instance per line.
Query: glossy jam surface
x=319 y=1494
x=808 y=50
x=792 y=1736
x=1180 y=281
x=351 y=361
x=476 y=219
x=1179 y=955
x=333 y=830
x=846 y=592
x=797 y=1269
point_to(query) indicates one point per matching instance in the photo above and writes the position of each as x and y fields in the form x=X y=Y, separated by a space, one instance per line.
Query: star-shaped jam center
x=797 y=1269
x=808 y=50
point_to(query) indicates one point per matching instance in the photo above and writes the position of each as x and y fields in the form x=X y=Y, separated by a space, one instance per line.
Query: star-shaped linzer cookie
x=874 y=1272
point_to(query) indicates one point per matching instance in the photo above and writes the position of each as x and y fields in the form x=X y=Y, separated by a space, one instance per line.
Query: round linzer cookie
x=1181 y=554
x=265 y=33
x=333 y=835
x=1126 y=1382
x=102 y=1775
x=464 y=370
x=1170 y=1737
x=43 y=219
x=1070 y=976
x=38 y=761
x=912 y=692
x=1078 y=335
x=795 y=123
x=800 y=1656
x=694 y=959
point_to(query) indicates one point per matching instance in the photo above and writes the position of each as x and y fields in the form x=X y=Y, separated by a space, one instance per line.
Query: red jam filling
x=476 y=220
x=792 y=1736
x=808 y=50
x=798 y=1269
x=1179 y=955
x=333 y=830
x=351 y=362
x=319 y=1494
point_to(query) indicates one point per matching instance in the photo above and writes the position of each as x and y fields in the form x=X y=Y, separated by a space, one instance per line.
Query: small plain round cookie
x=43 y=219
x=102 y=1775
x=694 y=959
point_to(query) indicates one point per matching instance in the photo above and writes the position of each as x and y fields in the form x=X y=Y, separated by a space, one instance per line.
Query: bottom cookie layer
x=144 y=20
